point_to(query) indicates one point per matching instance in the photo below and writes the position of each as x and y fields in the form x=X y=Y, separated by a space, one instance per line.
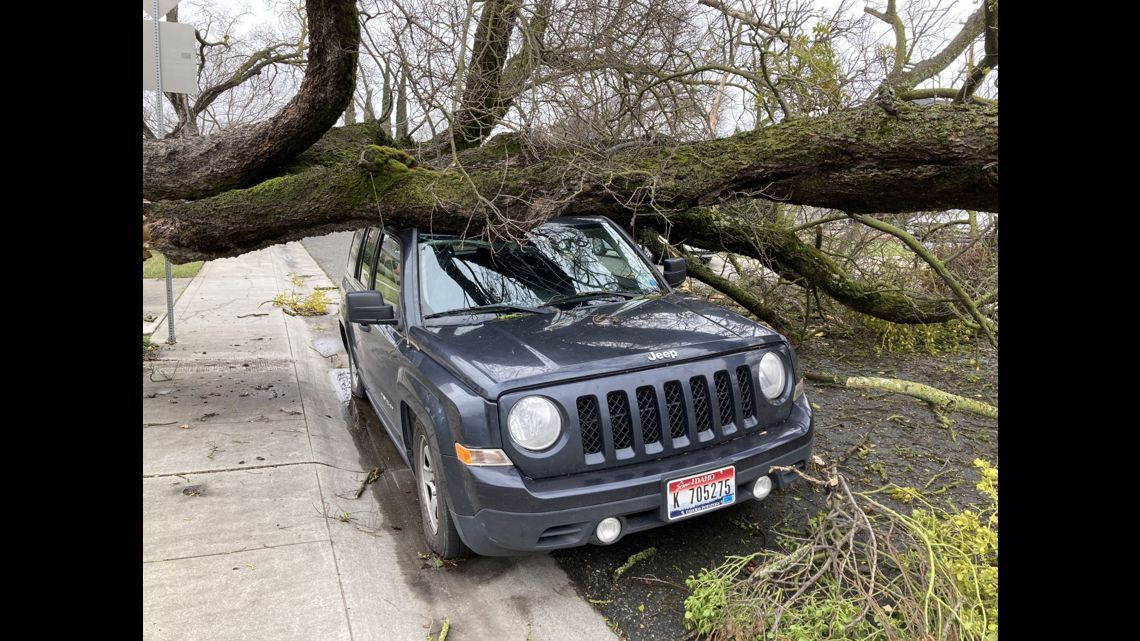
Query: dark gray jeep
x=556 y=391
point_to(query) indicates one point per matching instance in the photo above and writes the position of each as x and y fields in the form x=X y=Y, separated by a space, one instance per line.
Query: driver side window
x=388 y=269
x=368 y=257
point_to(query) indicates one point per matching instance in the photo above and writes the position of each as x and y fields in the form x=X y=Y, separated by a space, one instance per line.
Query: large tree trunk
x=862 y=160
x=197 y=167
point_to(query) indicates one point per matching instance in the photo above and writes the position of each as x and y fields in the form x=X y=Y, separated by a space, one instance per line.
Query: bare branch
x=749 y=20
x=891 y=17
x=990 y=61
x=943 y=92
x=905 y=80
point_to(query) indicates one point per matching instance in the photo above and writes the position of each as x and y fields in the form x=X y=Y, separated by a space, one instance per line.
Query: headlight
x=535 y=423
x=773 y=375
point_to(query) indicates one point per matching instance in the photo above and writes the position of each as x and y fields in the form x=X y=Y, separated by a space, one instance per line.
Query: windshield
x=554 y=262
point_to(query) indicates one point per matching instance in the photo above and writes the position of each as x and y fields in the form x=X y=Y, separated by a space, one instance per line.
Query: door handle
x=364 y=328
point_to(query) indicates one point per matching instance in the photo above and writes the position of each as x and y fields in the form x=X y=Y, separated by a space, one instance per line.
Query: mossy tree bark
x=860 y=160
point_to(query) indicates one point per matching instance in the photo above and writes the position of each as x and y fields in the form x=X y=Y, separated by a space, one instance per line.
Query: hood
x=506 y=353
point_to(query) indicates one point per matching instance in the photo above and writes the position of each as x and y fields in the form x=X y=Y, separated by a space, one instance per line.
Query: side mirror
x=674 y=269
x=369 y=308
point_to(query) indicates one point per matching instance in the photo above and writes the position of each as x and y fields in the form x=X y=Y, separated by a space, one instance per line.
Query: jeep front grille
x=666 y=417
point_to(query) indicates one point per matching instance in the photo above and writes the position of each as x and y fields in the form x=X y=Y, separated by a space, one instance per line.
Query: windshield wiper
x=486 y=309
x=584 y=296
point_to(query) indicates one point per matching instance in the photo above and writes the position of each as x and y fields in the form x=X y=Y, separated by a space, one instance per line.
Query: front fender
x=458 y=413
x=448 y=412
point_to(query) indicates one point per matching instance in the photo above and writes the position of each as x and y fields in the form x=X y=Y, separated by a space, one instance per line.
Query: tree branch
x=943 y=92
x=918 y=248
x=891 y=17
x=202 y=166
x=902 y=81
x=250 y=68
x=698 y=270
x=475 y=117
x=990 y=61
x=747 y=19
x=779 y=249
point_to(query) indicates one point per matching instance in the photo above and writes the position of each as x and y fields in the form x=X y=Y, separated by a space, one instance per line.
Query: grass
x=155 y=267
x=295 y=304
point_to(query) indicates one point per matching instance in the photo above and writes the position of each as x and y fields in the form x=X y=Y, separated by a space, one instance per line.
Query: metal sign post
x=160 y=134
x=184 y=81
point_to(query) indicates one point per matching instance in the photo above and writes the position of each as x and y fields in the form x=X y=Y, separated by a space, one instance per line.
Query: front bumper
x=562 y=512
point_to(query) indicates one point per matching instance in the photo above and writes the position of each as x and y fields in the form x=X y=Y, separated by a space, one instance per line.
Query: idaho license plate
x=700 y=492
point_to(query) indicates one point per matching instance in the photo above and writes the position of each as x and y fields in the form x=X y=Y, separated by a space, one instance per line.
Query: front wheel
x=439 y=529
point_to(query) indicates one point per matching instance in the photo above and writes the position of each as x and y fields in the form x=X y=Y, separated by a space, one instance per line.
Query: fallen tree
x=860 y=160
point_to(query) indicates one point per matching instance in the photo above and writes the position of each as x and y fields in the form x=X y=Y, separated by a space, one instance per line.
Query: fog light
x=608 y=530
x=762 y=487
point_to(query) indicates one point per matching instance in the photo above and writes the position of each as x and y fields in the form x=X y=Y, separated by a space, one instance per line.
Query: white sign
x=179 y=57
x=164 y=6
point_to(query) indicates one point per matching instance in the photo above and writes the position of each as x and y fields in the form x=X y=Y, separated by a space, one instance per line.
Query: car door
x=379 y=345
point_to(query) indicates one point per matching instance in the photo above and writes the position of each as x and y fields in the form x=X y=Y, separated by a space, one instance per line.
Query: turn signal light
x=473 y=456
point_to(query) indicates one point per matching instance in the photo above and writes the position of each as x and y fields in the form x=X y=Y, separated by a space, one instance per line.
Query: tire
x=439 y=528
x=356 y=385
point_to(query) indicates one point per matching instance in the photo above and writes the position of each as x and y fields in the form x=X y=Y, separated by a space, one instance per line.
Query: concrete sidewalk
x=252 y=460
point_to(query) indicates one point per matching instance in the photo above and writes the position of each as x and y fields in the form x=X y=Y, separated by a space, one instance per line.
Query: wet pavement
x=254 y=522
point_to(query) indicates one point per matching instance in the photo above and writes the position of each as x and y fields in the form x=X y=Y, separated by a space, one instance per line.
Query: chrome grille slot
x=700 y=390
x=591 y=425
x=620 y=422
x=650 y=418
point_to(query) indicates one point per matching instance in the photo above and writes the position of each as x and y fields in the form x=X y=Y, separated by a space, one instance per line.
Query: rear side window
x=388 y=270
x=352 y=267
x=368 y=256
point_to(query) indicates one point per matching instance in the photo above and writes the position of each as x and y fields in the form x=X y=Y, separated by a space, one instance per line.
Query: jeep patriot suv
x=556 y=390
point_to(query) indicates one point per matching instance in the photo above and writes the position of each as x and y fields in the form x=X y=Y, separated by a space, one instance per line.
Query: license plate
x=700 y=492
